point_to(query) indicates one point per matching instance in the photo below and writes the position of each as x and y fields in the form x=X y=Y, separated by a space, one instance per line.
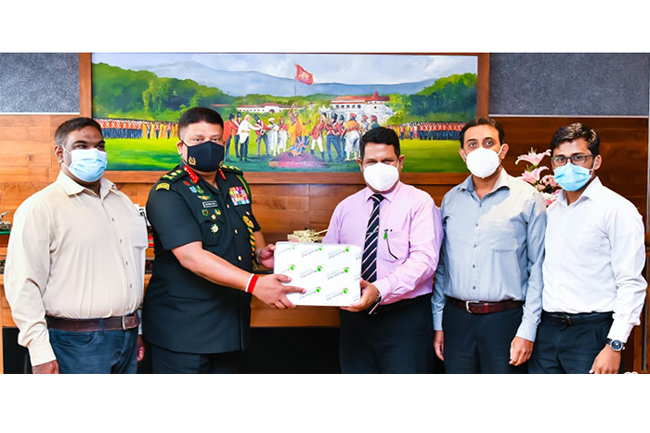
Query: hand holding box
x=330 y=273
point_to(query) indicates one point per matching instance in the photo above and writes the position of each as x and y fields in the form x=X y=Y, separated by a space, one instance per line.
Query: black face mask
x=206 y=157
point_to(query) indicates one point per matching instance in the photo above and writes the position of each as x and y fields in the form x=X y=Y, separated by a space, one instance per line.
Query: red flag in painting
x=304 y=76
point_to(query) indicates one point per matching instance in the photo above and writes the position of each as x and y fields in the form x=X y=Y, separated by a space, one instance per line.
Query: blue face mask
x=571 y=177
x=87 y=164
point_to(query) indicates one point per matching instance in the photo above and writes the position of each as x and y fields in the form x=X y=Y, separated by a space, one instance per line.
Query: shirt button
x=127 y=263
x=476 y=224
x=239 y=258
x=474 y=288
x=475 y=245
x=130 y=286
x=228 y=206
x=113 y=219
x=236 y=232
x=473 y=266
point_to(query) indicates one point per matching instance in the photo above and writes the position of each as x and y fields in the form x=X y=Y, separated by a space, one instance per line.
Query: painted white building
x=361 y=105
x=267 y=107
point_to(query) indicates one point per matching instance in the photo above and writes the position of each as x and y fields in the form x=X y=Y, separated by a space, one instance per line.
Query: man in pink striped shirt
x=390 y=329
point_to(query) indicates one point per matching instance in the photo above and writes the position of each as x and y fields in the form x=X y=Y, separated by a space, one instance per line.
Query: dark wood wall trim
x=85 y=85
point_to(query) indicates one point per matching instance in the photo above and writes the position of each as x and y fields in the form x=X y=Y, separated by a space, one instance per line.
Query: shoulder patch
x=162 y=185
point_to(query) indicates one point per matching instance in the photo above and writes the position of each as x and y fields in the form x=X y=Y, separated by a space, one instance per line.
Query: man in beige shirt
x=74 y=275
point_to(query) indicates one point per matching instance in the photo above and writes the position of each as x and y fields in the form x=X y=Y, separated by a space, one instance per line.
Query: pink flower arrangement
x=533 y=175
x=533 y=157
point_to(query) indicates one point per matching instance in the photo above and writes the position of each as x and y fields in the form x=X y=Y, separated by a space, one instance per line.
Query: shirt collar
x=502 y=181
x=390 y=196
x=593 y=192
x=73 y=188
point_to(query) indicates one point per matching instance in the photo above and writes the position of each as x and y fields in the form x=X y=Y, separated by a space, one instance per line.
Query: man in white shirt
x=593 y=289
x=244 y=135
x=74 y=276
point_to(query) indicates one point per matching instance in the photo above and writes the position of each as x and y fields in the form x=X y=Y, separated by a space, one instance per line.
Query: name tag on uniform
x=209 y=204
x=239 y=195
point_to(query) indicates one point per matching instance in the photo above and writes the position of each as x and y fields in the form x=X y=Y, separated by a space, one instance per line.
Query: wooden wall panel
x=623 y=146
x=27 y=164
x=4 y=306
x=32 y=153
x=2 y=315
x=137 y=192
x=27 y=142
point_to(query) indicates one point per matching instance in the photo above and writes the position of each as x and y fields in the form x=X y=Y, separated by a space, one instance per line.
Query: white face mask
x=483 y=162
x=381 y=177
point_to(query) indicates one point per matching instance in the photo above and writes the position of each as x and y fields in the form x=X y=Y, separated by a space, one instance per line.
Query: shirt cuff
x=527 y=330
x=437 y=322
x=620 y=331
x=41 y=353
x=383 y=286
x=139 y=313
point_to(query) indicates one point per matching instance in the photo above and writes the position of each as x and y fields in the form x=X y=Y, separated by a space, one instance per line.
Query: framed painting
x=286 y=115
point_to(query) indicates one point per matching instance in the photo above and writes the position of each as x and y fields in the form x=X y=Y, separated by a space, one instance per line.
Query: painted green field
x=145 y=155
x=432 y=156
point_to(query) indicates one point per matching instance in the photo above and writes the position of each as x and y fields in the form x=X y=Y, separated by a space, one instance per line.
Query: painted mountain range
x=246 y=83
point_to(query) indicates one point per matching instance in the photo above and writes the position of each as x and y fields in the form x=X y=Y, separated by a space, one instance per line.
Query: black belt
x=382 y=309
x=93 y=325
x=482 y=307
x=575 y=319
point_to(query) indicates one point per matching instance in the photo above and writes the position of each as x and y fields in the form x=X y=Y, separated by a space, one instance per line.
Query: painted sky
x=327 y=68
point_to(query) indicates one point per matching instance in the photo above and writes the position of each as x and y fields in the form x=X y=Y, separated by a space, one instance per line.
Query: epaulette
x=231 y=169
x=173 y=175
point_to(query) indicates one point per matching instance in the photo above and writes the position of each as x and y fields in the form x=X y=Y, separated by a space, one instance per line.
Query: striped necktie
x=369 y=262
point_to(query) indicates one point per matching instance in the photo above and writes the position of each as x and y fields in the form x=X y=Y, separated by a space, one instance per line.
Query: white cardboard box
x=330 y=273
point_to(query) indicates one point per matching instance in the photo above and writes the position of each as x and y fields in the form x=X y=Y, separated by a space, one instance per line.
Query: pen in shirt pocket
x=388 y=242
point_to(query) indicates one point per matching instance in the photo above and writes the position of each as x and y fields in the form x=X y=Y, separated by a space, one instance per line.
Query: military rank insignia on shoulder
x=231 y=168
x=172 y=175
x=162 y=185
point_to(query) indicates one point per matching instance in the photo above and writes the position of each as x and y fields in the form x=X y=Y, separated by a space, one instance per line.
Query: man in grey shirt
x=489 y=277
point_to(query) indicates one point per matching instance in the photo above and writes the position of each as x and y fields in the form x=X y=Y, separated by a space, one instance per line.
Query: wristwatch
x=615 y=345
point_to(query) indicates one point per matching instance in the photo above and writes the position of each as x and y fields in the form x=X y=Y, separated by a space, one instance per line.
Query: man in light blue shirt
x=489 y=278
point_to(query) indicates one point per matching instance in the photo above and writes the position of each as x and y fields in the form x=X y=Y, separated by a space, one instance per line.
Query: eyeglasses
x=575 y=159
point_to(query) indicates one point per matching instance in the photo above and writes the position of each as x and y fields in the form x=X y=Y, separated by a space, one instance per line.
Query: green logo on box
x=292 y=267
x=346 y=270
x=319 y=268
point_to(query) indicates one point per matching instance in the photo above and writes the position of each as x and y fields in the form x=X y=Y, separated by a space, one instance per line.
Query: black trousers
x=398 y=339
x=480 y=343
x=564 y=346
x=165 y=361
